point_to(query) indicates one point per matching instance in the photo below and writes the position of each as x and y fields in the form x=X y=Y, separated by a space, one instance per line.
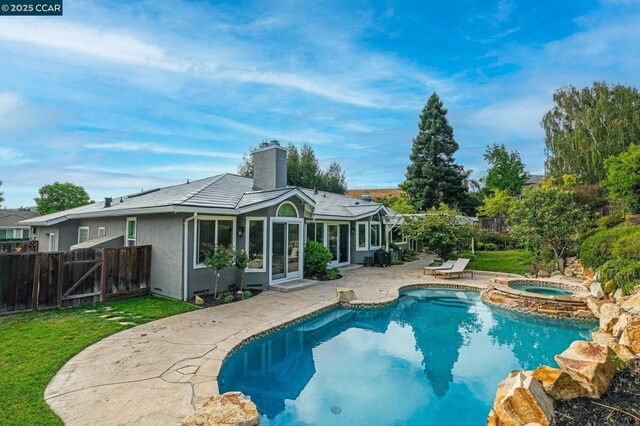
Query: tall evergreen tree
x=334 y=179
x=293 y=165
x=1 y=194
x=310 y=173
x=433 y=177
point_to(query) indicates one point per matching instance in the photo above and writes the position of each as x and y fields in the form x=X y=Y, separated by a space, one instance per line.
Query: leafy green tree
x=444 y=231
x=334 y=179
x=217 y=259
x=506 y=171
x=623 y=177
x=402 y=205
x=58 y=196
x=547 y=221
x=303 y=170
x=497 y=205
x=433 y=177
x=240 y=261
x=1 y=194
x=587 y=126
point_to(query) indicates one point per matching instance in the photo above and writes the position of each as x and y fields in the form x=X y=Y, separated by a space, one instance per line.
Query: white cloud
x=161 y=149
x=104 y=43
x=13 y=157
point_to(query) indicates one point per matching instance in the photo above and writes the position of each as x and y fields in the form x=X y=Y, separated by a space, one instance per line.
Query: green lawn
x=511 y=261
x=34 y=346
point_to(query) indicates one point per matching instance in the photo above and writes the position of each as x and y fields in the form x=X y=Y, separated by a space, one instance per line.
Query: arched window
x=287 y=209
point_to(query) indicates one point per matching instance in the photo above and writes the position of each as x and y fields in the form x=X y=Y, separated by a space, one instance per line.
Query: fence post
x=103 y=275
x=35 y=292
x=60 y=278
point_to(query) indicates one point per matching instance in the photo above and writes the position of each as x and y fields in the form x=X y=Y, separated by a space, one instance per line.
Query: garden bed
x=618 y=406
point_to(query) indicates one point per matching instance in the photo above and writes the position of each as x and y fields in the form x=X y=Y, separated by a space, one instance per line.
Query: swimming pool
x=435 y=357
x=547 y=290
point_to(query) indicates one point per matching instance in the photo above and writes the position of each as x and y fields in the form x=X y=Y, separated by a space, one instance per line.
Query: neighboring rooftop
x=535 y=179
x=11 y=217
x=376 y=192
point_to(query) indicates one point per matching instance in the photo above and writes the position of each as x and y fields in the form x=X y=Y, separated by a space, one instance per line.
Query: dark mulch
x=619 y=406
x=209 y=300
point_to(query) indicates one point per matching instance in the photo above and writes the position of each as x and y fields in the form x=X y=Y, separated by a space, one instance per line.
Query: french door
x=338 y=242
x=286 y=249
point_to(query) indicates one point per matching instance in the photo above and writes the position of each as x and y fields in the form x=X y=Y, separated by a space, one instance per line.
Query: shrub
x=409 y=255
x=228 y=298
x=624 y=273
x=333 y=273
x=627 y=247
x=316 y=260
x=596 y=250
x=608 y=222
x=246 y=294
x=487 y=246
x=503 y=241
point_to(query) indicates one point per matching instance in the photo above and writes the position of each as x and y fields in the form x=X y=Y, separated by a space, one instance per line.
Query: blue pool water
x=540 y=289
x=434 y=358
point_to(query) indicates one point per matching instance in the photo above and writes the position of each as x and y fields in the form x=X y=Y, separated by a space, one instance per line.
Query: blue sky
x=118 y=96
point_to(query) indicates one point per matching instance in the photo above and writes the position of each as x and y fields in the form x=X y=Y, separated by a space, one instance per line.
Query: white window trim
x=264 y=242
x=104 y=230
x=326 y=239
x=287 y=202
x=126 y=232
x=83 y=228
x=366 y=236
x=404 y=237
x=324 y=231
x=371 y=225
x=196 y=235
x=52 y=239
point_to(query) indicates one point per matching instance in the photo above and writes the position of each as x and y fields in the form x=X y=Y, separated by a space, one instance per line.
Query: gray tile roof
x=11 y=217
x=222 y=192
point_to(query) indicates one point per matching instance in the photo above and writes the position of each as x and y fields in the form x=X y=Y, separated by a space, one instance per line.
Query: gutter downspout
x=185 y=257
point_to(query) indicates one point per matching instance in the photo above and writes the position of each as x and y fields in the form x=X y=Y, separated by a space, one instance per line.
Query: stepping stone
x=127 y=323
x=90 y=311
x=108 y=308
x=114 y=318
x=105 y=316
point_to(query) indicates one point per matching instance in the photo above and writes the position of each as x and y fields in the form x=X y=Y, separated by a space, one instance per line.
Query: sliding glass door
x=286 y=250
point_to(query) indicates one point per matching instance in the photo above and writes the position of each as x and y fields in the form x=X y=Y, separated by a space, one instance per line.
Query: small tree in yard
x=546 y=221
x=217 y=260
x=623 y=177
x=241 y=261
x=496 y=205
x=60 y=196
x=444 y=231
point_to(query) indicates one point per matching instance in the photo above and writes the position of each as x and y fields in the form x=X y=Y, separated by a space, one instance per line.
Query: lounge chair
x=446 y=265
x=457 y=270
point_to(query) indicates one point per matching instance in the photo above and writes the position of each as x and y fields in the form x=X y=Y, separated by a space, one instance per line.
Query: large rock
x=543 y=274
x=630 y=336
x=521 y=400
x=568 y=272
x=594 y=306
x=345 y=295
x=623 y=352
x=596 y=290
x=590 y=364
x=558 y=384
x=621 y=324
x=229 y=409
x=609 y=314
x=632 y=304
x=618 y=295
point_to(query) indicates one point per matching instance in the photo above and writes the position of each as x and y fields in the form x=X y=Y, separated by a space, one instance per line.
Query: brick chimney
x=270 y=166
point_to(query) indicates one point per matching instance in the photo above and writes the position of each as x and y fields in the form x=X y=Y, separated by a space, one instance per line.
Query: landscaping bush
x=409 y=255
x=503 y=241
x=596 y=250
x=228 y=298
x=627 y=247
x=333 y=274
x=246 y=294
x=316 y=260
x=610 y=221
x=486 y=246
x=624 y=273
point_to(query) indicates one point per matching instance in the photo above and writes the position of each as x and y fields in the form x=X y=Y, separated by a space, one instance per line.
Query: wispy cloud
x=161 y=149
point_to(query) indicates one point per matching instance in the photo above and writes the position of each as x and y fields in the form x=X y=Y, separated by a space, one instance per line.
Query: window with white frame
x=25 y=234
x=132 y=231
x=287 y=209
x=102 y=231
x=256 y=243
x=375 y=235
x=362 y=236
x=212 y=233
x=83 y=234
x=315 y=232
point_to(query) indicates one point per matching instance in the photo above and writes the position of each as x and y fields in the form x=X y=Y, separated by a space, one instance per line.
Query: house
x=12 y=233
x=376 y=193
x=262 y=215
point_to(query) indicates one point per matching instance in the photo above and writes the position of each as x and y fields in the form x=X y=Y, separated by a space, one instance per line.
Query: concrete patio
x=157 y=373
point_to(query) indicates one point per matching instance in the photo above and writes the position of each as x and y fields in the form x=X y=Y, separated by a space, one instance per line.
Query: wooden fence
x=36 y=281
x=494 y=224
